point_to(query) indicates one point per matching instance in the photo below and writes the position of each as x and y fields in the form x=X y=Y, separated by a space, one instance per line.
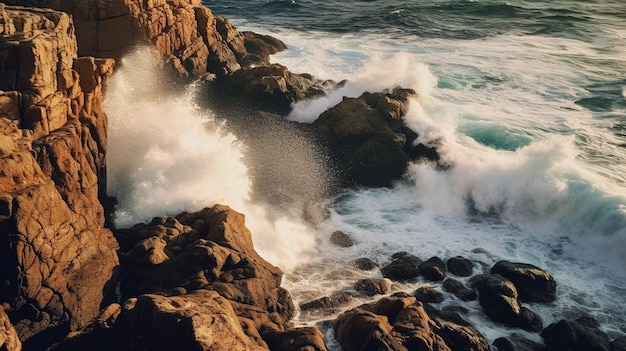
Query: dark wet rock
x=365 y=264
x=433 y=269
x=619 y=344
x=404 y=266
x=317 y=304
x=533 y=283
x=428 y=295
x=368 y=139
x=581 y=334
x=500 y=302
x=341 y=239
x=259 y=48
x=460 y=266
x=273 y=87
x=459 y=290
x=512 y=343
x=372 y=286
x=298 y=339
x=401 y=323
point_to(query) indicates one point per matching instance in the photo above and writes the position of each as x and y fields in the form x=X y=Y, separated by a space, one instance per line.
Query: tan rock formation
x=8 y=337
x=183 y=31
x=56 y=255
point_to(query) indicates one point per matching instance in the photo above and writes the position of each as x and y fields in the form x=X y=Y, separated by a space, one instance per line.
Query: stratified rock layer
x=57 y=257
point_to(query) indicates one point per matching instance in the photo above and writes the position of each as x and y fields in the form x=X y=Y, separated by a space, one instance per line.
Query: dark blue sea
x=527 y=100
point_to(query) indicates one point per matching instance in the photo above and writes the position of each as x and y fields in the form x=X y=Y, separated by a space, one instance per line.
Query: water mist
x=167 y=155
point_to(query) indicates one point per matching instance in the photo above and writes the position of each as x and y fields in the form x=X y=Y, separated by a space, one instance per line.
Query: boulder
x=326 y=303
x=59 y=261
x=372 y=286
x=201 y=320
x=500 y=302
x=402 y=323
x=404 y=266
x=298 y=339
x=459 y=290
x=365 y=264
x=533 y=283
x=428 y=295
x=460 y=266
x=341 y=239
x=433 y=269
x=368 y=139
x=512 y=343
x=9 y=340
x=273 y=87
x=581 y=334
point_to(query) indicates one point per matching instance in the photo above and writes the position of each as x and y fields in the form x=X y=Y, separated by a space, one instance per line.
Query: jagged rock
x=273 y=87
x=341 y=239
x=372 y=286
x=404 y=266
x=259 y=48
x=433 y=269
x=202 y=320
x=500 y=302
x=367 y=137
x=9 y=340
x=459 y=290
x=183 y=32
x=365 y=264
x=533 y=283
x=428 y=295
x=511 y=343
x=460 y=266
x=209 y=249
x=401 y=323
x=581 y=334
x=59 y=259
x=299 y=339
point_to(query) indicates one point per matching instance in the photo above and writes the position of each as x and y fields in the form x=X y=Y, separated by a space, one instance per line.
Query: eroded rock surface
x=58 y=259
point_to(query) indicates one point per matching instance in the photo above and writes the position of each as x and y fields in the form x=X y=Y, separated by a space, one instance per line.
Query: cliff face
x=57 y=258
x=184 y=32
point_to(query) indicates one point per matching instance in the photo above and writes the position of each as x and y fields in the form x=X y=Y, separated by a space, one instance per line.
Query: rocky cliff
x=58 y=259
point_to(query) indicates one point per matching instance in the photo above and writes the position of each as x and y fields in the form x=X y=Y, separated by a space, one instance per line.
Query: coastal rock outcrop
x=206 y=250
x=533 y=283
x=58 y=259
x=402 y=323
x=581 y=334
x=368 y=139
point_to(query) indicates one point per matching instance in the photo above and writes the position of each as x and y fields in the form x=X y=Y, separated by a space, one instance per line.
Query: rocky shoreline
x=195 y=281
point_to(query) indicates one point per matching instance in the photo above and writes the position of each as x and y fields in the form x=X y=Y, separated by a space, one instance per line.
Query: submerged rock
x=459 y=290
x=365 y=264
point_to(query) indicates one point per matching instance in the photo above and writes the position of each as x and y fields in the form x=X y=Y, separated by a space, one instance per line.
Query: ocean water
x=525 y=99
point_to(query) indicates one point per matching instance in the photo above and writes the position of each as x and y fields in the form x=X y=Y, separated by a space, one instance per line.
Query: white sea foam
x=167 y=156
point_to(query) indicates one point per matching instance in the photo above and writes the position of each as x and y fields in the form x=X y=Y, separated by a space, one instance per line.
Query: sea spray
x=166 y=155
x=379 y=73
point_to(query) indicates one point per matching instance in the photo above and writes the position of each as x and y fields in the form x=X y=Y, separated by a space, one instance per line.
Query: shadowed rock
x=404 y=266
x=533 y=283
x=372 y=286
x=365 y=264
x=517 y=344
x=460 y=266
x=428 y=295
x=433 y=269
x=459 y=290
x=298 y=339
x=581 y=334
